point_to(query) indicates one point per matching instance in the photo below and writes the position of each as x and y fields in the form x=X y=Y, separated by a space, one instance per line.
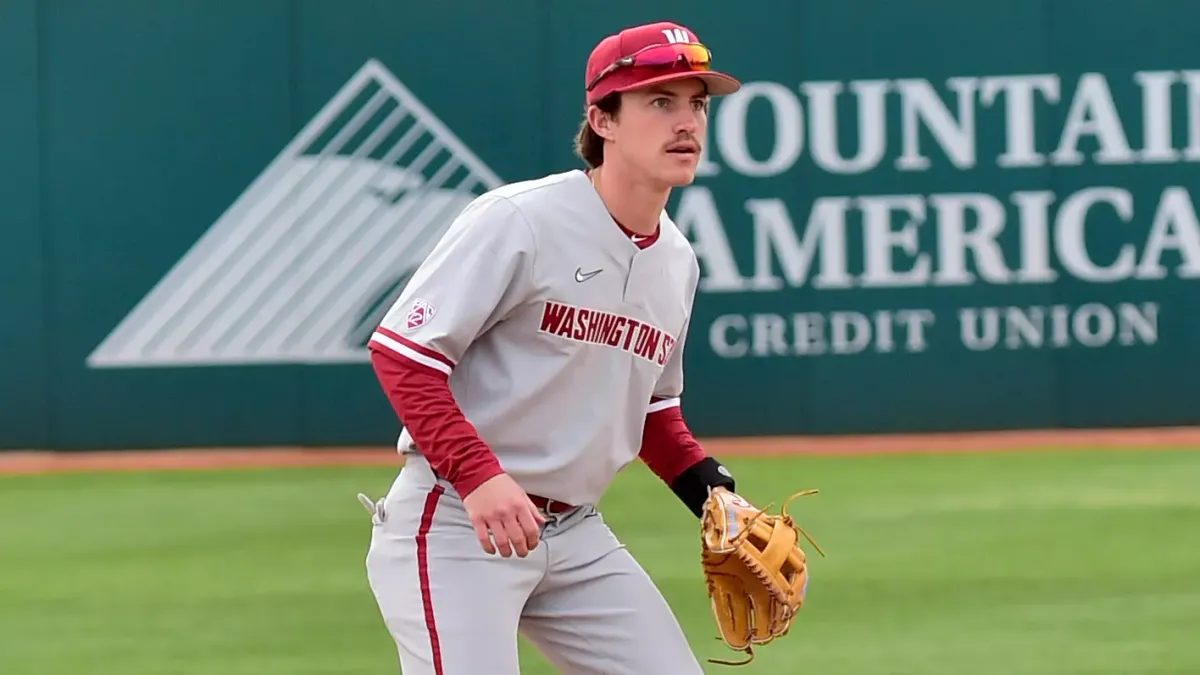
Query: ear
x=601 y=122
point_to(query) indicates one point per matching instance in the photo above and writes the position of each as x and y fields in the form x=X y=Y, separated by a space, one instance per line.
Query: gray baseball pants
x=452 y=609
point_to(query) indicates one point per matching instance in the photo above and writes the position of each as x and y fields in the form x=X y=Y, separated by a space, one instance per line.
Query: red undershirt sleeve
x=668 y=446
x=422 y=399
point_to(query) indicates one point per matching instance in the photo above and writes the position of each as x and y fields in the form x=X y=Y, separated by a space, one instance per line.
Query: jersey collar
x=642 y=241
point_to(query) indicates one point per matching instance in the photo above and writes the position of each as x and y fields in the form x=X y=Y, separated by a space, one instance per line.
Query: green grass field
x=1027 y=564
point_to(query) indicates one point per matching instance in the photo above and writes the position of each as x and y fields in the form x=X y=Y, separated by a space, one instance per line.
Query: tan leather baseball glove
x=755 y=570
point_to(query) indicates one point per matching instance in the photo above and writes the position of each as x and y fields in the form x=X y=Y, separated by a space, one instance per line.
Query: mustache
x=684 y=142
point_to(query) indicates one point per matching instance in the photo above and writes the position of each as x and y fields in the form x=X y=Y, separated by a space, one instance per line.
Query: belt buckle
x=555 y=509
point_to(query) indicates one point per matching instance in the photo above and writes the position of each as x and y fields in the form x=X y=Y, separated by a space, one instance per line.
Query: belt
x=550 y=505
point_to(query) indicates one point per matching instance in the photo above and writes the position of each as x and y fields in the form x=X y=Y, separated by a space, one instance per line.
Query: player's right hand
x=500 y=507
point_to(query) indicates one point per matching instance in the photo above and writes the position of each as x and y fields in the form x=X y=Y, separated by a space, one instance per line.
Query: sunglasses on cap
x=696 y=56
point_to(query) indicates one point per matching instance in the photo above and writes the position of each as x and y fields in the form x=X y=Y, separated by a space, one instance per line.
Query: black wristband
x=693 y=484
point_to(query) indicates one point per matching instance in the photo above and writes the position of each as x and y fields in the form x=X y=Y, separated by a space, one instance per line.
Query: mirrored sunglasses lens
x=695 y=55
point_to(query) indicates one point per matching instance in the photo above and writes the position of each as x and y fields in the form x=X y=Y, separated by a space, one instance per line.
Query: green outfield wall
x=916 y=216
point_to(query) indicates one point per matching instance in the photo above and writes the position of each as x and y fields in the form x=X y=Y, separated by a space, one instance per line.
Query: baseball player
x=536 y=352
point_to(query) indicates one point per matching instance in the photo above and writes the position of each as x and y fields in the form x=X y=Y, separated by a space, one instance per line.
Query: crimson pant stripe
x=423 y=567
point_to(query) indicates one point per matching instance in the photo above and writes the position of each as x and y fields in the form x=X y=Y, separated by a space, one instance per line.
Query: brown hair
x=589 y=145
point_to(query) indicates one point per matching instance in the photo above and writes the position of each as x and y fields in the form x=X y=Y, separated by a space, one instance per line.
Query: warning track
x=227 y=458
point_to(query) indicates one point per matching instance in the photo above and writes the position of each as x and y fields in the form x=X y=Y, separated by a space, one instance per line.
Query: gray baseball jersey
x=558 y=332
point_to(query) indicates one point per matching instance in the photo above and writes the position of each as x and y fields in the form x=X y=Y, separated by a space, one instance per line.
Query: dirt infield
x=136 y=460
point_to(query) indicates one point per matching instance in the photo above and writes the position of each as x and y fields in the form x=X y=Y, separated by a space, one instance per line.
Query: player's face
x=660 y=130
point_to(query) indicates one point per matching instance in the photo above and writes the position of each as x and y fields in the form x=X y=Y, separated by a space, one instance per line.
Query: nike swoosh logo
x=581 y=276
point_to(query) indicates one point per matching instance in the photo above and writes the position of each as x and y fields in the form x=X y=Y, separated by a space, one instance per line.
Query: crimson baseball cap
x=649 y=54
